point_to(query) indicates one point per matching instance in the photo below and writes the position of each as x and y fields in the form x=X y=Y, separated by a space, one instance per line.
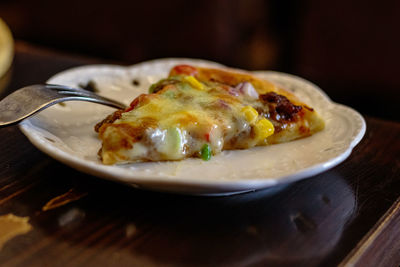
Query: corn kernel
x=263 y=128
x=250 y=114
x=194 y=82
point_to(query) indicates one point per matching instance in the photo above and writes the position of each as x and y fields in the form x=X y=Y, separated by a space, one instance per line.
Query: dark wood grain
x=381 y=246
x=325 y=220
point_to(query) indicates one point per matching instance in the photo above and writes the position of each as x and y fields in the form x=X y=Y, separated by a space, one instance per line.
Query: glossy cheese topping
x=184 y=117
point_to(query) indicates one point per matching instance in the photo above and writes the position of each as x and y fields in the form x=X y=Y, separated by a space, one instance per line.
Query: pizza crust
x=185 y=121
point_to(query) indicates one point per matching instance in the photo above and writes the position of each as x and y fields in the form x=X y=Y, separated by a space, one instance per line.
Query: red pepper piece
x=183 y=69
x=207 y=137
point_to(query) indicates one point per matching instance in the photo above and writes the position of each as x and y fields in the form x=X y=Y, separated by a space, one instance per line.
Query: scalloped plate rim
x=197 y=186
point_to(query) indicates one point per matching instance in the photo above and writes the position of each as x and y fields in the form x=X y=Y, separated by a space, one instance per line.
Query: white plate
x=65 y=132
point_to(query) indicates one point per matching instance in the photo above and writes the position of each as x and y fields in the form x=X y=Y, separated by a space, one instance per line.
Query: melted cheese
x=177 y=121
x=197 y=112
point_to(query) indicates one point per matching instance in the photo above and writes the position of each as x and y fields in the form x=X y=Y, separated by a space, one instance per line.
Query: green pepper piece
x=152 y=87
x=205 y=152
x=155 y=87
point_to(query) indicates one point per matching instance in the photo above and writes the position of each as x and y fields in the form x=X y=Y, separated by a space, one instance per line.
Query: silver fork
x=29 y=100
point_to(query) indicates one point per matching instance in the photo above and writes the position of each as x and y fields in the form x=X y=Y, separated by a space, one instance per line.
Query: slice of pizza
x=198 y=112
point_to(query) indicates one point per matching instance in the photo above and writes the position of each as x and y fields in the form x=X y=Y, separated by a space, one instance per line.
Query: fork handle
x=29 y=100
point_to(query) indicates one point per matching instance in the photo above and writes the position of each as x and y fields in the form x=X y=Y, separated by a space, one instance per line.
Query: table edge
x=379 y=246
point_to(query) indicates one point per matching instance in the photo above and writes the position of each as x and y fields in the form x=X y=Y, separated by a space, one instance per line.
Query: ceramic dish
x=65 y=132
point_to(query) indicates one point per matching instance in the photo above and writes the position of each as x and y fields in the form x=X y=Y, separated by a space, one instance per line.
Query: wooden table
x=348 y=215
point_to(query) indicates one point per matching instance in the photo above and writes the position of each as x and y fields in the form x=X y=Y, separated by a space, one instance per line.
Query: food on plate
x=199 y=112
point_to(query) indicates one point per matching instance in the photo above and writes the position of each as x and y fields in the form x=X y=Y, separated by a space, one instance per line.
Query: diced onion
x=247 y=88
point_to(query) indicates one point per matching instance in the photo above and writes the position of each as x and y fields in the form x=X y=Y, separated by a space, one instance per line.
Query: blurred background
x=349 y=48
